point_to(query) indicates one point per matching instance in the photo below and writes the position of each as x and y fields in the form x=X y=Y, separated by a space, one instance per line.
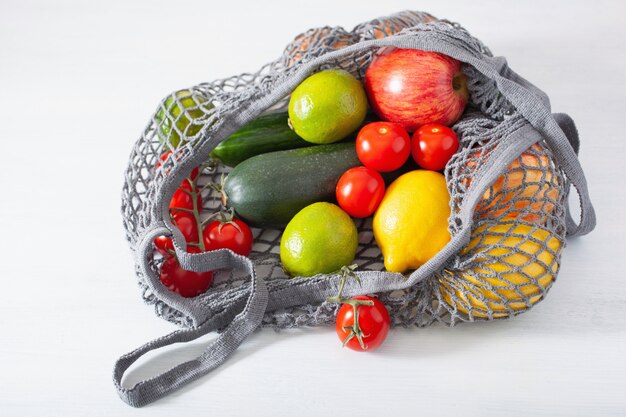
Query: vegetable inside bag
x=493 y=267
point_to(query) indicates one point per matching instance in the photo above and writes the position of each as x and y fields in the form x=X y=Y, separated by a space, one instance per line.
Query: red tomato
x=164 y=245
x=194 y=172
x=373 y=322
x=187 y=225
x=234 y=235
x=186 y=283
x=383 y=146
x=433 y=146
x=359 y=191
x=182 y=199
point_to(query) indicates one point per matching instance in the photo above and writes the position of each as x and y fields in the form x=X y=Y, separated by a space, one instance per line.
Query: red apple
x=414 y=87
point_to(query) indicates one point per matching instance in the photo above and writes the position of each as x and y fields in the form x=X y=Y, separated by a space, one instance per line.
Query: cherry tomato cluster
x=226 y=233
x=385 y=147
x=363 y=322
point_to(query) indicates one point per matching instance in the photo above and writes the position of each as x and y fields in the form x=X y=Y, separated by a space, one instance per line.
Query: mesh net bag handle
x=238 y=311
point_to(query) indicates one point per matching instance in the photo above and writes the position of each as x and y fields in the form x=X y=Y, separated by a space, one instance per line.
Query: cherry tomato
x=184 y=220
x=182 y=199
x=234 y=235
x=164 y=245
x=433 y=146
x=187 y=225
x=383 y=146
x=373 y=324
x=194 y=172
x=186 y=283
x=359 y=191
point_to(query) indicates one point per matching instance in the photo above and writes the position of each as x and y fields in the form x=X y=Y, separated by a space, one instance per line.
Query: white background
x=79 y=80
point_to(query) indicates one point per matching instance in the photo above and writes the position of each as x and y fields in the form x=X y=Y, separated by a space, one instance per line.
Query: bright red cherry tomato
x=234 y=235
x=194 y=172
x=433 y=146
x=383 y=146
x=359 y=191
x=373 y=325
x=182 y=199
x=184 y=220
x=186 y=223
x=186 y=283
x=164 y=245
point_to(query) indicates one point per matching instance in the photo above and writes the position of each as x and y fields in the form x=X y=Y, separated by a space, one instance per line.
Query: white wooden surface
x=78 y=81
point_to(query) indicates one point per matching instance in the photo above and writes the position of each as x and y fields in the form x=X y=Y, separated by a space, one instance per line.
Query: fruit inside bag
x=486 y=211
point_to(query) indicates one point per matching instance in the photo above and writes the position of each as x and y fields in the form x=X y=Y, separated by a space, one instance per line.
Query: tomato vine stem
x=196 y=211
x=347 y=271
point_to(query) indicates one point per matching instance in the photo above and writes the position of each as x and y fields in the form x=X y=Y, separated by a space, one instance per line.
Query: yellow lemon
x=411 y=223
x=513 y=266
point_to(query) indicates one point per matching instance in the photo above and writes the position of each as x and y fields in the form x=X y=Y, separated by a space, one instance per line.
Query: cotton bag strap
x=237 y=322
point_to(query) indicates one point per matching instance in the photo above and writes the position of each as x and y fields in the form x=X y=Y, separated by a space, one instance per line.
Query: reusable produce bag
x=509 y=184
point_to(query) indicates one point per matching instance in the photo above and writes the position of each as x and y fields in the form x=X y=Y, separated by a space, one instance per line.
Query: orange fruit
x=527 y=190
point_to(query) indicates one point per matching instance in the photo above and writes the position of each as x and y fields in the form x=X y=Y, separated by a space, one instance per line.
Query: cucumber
x=269 y=189
x=268 y=133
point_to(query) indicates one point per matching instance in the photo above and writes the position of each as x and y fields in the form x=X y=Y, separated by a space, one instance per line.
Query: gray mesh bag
x=509 y=184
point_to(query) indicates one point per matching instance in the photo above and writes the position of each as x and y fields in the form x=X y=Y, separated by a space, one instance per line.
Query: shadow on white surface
x=161 y=360
x=416 y=344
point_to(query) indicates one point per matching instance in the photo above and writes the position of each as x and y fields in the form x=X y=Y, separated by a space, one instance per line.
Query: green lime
x=320 y=239
x=327 y=106
x=181 y=111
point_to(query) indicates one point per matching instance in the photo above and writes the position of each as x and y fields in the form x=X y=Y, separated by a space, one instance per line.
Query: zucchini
x=268 y=133
x=268 y=190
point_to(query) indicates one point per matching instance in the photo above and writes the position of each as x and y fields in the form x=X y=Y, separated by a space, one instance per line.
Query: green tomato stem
x=196 y=211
